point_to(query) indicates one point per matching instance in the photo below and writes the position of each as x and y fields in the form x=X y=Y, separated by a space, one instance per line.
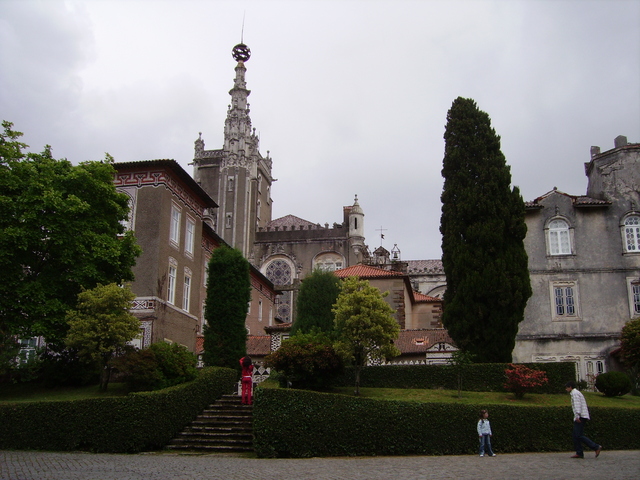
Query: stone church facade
x=239 y=179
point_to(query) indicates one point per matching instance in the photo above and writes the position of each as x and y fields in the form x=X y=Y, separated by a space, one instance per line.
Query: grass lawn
x=489 y=398
x=25 y=392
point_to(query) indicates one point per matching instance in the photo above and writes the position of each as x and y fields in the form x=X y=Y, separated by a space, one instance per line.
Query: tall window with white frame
x=559 y=239
x=174 y=232
x=189 y=236
x=186 y=291
x=631 y=233
x=171 y=284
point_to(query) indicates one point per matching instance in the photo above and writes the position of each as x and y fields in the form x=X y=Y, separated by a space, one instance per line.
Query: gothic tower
x=236 y=176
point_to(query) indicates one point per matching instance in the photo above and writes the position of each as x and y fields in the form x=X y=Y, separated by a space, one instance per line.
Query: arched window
x=631 y=233
x=559 y=238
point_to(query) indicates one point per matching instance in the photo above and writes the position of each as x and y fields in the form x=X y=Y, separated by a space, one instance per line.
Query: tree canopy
x=101 y=325
x=227 y=303
x=61 y=231
x=318 y=292
x=364 y=324
x=483 y=230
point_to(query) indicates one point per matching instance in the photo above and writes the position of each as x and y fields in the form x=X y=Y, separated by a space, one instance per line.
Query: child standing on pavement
x=484 y=432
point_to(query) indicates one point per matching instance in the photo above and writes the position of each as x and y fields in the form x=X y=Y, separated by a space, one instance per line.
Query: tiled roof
x=425 y=266
x=258 y=345
x=422 y=298
x=577 y=200
x=279 y=327
x=199 y=345
x=365 y=271
x=290 y=221
x=419 y=341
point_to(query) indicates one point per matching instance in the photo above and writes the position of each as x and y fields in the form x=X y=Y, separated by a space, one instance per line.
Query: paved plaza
x=22 y=465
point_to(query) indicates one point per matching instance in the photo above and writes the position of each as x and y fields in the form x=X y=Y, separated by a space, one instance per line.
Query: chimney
x=620 y=141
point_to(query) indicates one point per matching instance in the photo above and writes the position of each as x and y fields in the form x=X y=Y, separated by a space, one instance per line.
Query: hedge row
x=139 y=421
x=477 y=377
x=321 y=424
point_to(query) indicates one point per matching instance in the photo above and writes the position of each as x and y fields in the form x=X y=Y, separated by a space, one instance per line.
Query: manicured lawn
x=24 y=392
x=488 y=398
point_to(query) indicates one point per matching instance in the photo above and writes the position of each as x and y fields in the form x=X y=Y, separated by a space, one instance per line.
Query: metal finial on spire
x=241 y=53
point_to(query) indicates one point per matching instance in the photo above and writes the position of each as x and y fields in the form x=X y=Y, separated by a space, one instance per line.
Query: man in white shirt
x=580 y=418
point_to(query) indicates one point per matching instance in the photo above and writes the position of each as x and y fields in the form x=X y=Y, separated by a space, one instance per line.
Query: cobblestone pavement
x=21 y=465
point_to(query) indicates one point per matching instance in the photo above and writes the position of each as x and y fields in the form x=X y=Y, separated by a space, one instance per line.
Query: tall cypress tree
x=228 y=296
x=318 y=292
x=483 y=229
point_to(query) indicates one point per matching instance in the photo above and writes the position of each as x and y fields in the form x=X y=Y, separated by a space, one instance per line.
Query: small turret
x=356 y=223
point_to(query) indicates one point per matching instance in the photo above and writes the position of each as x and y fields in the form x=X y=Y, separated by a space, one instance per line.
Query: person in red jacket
x=247 y=380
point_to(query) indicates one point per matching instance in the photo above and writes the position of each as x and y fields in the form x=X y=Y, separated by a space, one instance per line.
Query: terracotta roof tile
x=419 y=341
x=258 y=345
x=366 y=271
x=422 y=298
x=279 y=327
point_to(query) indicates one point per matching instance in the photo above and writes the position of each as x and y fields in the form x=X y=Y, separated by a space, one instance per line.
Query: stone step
x=225 y=426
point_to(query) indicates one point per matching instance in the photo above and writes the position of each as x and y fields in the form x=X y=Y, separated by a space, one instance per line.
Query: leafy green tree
x=459 y=361
x=483 y=230
x=159 y=366
x=228 y=297
x=307 y=360
x=60 y=232
x=630 y=349
x=101 y=326
x=630 y=342
x=318 y=292
x=364 y=324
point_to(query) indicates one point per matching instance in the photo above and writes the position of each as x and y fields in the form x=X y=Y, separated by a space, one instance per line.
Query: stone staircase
x=225 y=426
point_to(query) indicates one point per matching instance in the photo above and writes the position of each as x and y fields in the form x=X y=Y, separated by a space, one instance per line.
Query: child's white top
x=484 y=428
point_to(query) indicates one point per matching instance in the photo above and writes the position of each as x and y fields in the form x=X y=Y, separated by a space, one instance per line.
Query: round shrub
x=613 y=384
x=306 y=360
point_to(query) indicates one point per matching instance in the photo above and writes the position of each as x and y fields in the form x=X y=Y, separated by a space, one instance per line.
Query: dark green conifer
x=318 y=292
x=483 y=229
x=228 y=296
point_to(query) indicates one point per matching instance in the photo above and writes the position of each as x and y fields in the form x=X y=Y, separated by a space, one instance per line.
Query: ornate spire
x=240 y=140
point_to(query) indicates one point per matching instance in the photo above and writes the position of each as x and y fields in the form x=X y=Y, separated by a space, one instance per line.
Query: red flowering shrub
x=521 y=379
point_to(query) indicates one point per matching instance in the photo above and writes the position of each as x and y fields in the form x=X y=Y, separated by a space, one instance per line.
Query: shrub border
x=140 y=421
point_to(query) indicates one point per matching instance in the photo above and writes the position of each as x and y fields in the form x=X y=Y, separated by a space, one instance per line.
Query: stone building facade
x=167 y=214
x=584 y=263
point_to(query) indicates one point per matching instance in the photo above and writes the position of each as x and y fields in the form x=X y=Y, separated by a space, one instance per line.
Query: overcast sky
x=349 y=97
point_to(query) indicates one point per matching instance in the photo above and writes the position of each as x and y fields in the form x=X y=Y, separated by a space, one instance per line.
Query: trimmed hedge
x=321 y=424
x=477 y=377
x=139 y=421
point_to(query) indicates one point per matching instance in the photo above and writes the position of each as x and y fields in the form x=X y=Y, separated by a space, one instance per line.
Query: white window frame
x=174 y=230
x=564 y=301
x=630 y=230
x=189 y=236
x=186 y=291
x=260 y=310
x=171 y=283
x=633 y=289
x=559 y=237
